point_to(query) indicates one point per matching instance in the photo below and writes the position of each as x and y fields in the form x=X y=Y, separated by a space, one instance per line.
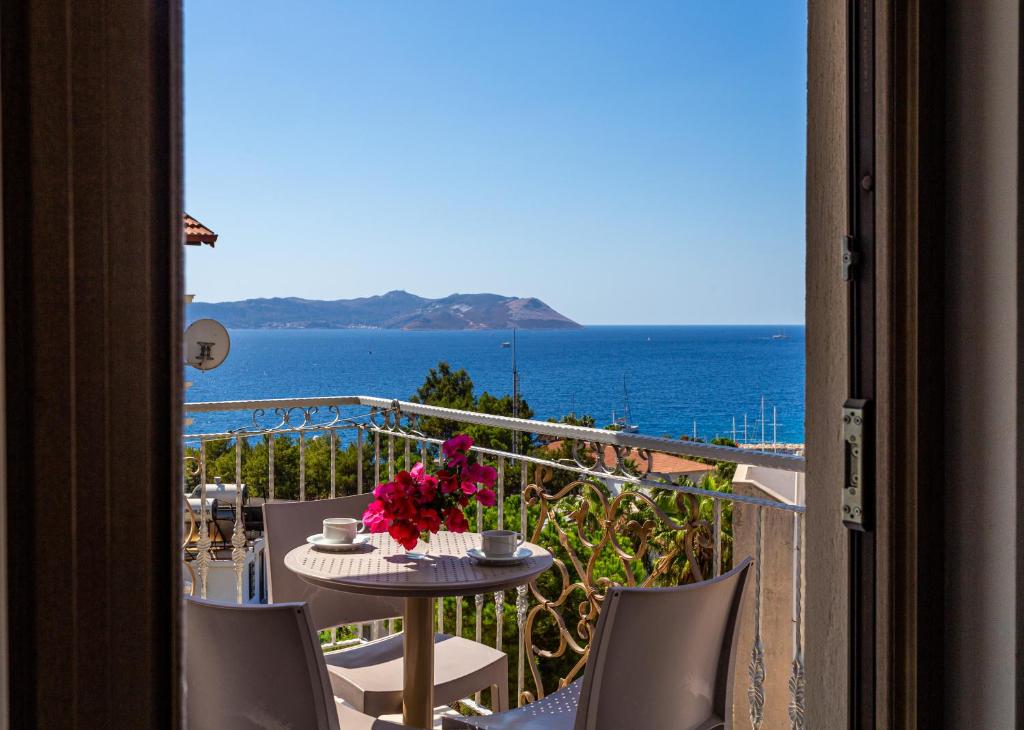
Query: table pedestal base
x=418 y=679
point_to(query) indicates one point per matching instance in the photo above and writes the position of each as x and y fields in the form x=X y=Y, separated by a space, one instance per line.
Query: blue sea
x=680 y=379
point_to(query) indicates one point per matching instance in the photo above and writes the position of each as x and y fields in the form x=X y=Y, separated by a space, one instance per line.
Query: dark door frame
x=90 y=107
x=877 y=66
x=896 y=213
x=859 y=269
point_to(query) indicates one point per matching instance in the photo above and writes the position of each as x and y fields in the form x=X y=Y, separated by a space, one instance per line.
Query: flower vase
x=422 y=549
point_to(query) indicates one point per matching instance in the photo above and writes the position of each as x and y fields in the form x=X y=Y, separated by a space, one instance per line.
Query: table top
x=380 y=567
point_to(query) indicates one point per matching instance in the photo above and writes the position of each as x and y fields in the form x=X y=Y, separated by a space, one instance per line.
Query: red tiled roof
x=662 y=463
x=196 y=233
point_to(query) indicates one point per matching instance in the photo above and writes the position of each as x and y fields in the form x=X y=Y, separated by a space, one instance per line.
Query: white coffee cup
x=342 y=529
x=500 y=543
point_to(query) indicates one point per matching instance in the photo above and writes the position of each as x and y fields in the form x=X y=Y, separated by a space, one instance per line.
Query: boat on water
x=506 y=345
x=624 y=422
x=780 y=335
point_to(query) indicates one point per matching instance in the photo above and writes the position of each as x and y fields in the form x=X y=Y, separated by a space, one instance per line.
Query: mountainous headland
x=396 y=310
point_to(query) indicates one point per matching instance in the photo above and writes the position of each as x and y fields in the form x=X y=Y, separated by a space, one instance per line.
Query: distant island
x=396 y=310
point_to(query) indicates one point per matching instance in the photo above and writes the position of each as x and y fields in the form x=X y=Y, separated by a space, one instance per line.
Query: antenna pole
x=515 y=392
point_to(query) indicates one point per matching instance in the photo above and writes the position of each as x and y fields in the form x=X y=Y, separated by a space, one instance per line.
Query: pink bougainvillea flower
x=455 y=450
x=480 y=474
x=416 y=501
x=374 y=517
x=428 y=520
x=447 y=481
x=385 y=491
x=404 y=479
x=404 y=533
x=456 y=521
x=427 y=490
x=405 y=509
x=426 y=484
x=460 y=443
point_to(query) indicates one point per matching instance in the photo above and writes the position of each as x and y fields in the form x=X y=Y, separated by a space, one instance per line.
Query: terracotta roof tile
x=662 y=463
x=196 y=233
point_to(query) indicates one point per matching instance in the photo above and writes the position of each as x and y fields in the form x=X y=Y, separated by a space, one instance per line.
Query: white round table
x=381 y=568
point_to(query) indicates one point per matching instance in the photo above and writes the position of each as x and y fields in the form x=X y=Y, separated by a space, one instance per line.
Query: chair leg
x=499 y=696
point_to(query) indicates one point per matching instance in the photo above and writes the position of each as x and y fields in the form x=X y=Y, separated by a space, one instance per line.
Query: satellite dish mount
x=207 y=344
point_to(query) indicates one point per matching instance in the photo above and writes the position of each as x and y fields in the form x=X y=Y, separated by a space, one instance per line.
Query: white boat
x=624 y=422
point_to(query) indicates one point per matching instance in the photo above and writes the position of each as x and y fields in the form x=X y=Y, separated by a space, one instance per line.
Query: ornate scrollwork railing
x=591 y=529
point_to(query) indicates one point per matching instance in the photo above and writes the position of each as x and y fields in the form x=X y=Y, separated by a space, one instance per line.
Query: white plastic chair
x=256 y=667
x=660 y=659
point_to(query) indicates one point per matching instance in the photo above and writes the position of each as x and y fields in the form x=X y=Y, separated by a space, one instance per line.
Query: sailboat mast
x=763 y=424
x=775 y=428
x=625 y=394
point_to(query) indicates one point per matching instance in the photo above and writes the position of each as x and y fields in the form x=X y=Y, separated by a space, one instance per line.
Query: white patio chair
x=660 y=659
x=369 y=676
x=257 y=667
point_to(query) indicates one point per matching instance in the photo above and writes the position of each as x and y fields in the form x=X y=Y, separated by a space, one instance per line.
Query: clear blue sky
x=626 y=162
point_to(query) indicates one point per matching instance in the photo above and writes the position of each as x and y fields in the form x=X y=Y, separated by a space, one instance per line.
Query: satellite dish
x=206 y=344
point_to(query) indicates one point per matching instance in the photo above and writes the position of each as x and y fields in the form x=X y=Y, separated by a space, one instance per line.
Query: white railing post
x=521 y=599
x=389 y=625
x=478 y=599
x=203 y=555
x=359 y=459
x=238 y=533
x=376 y=458
x=302 y=466
x=270 y=468
x=334 y=455
x=717 y=529
x=499 y=596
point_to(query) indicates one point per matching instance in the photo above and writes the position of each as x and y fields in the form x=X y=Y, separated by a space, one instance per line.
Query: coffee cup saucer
x=334 y=546
x=483 y=558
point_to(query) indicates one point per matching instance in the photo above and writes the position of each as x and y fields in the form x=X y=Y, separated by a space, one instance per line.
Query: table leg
x=418 y=679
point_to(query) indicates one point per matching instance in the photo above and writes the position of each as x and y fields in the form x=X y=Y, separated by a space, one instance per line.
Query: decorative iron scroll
x=797 y=688
x=584 y=524
x=756 y=669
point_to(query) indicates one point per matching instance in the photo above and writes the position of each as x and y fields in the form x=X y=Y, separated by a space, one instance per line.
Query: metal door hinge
x=849 y=258
x=855 y=441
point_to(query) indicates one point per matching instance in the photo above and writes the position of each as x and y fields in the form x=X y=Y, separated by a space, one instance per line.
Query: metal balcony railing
x=591 y=496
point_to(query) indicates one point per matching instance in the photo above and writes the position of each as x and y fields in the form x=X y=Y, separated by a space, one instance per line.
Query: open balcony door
x=914 y=619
